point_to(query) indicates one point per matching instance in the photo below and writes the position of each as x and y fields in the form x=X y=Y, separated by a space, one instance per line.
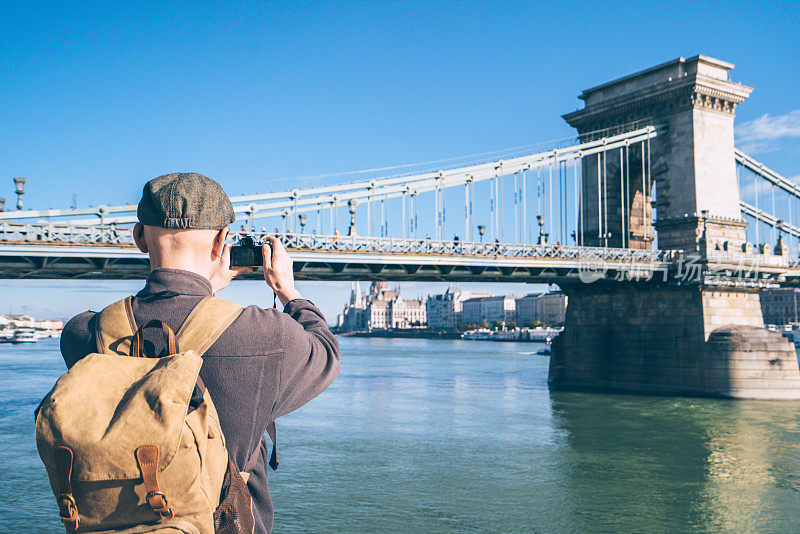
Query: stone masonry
x=671 y=340
x=691 y=162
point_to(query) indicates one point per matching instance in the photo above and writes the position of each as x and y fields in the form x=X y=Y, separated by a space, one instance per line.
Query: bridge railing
x=97 y=235
x=54 y=233
x=392 y=245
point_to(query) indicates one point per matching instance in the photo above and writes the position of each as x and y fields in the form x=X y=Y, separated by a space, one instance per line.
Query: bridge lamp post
x=481 y=231
x=302 y=218
x=779 y=246
x=2 y=204
x=542 y=235
x=351 y=204
x=19 y=183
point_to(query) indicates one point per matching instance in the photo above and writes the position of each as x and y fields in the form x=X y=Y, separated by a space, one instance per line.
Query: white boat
x=545 y=335
x=24 y=335
x=480 y=333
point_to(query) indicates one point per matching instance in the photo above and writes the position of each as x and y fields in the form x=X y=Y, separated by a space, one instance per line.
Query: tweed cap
x=184 y=200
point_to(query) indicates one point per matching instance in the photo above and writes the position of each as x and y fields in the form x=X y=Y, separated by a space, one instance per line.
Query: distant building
x=528 y=309
x=408 y=313
x=26 y=321
x=502 y=308
x=489 y=309
x=471 y=311
x=781 y=306
x=444 y=311
x=552 y=308
x=381 y=309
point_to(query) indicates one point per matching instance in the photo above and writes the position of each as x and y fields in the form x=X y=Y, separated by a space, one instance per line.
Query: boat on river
x=480 y=333
x=24 y=335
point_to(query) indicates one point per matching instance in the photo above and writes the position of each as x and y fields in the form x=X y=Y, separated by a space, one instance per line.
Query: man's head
x=183 y=223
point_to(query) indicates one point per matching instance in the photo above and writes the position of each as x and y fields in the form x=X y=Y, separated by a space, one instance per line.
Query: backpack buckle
x=159 y=503
x=68 y=510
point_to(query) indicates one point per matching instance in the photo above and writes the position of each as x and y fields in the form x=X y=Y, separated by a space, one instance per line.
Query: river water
x=460 y=436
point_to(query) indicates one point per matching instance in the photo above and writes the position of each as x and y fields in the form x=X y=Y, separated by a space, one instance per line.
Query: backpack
x=133 y=444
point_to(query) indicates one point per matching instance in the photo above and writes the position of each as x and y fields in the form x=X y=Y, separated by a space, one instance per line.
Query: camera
x=246 y=253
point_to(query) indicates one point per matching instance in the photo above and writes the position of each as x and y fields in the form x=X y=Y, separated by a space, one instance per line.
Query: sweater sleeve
x=77 y=338
x=310 y=360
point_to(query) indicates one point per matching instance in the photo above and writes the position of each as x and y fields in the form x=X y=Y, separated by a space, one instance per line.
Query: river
x=458 y=436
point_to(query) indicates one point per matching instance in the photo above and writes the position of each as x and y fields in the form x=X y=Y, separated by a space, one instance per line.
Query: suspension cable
x=501 y=206
x=622 y=198
x=644 y=202
x=550 y=198
x=599 y=202
x=516 y=219
x=578 y=229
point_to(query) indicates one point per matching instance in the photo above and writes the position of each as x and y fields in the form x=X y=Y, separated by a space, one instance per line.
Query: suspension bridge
x=533 y=197
x=658 y=228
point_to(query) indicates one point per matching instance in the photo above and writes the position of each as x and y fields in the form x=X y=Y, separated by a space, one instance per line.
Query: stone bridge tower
x=697 y=337
x=692 y=168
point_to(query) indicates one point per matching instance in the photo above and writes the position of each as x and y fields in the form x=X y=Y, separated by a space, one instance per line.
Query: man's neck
x=177 y=263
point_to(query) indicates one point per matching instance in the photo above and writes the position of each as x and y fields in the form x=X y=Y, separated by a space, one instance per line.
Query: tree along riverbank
x=421 y=334
x=446 y=334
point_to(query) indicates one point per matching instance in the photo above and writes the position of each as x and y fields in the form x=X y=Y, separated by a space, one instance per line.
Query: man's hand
x=223 y=274
x=278 y=271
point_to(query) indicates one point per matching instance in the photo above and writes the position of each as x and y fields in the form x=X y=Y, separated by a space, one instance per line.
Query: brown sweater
x=266 y=364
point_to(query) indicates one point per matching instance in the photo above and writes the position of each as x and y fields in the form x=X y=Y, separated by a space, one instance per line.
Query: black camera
x=247 y=253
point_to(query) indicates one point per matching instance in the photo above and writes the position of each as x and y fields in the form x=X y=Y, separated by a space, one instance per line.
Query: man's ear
x=138 y=237
x=219 y=243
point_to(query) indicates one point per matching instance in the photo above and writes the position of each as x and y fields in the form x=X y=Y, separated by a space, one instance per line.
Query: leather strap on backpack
x=136 y=343
x=147 y=458
x=68 y=509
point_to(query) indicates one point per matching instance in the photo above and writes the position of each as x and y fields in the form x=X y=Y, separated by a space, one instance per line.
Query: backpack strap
x=115 y=328
x=206 y=322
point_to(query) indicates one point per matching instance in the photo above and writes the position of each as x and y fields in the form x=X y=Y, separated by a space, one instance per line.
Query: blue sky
x=98 y=97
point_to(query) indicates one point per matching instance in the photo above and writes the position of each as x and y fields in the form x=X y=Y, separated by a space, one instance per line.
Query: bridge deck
x=346 y=258
x=112 y=256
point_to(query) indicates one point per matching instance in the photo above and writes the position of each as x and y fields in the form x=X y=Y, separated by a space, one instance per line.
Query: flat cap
x=184 y=200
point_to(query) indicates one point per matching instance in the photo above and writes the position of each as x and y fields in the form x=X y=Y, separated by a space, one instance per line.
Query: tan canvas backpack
x=133 y=444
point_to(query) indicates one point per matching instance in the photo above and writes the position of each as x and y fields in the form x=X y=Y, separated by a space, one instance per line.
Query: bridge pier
x=670 y=338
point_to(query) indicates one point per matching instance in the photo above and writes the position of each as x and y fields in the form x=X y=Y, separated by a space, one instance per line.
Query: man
x=267 y=363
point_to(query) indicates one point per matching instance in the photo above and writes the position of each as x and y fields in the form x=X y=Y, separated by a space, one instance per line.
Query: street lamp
x=779 y=246
x=352 y=206
x=481 y=230
x=302 y=218
x=542 y=235
x=19 y=183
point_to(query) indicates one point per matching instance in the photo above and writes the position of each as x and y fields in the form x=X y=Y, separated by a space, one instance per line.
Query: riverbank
x=524 y=335
x=405 y=334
